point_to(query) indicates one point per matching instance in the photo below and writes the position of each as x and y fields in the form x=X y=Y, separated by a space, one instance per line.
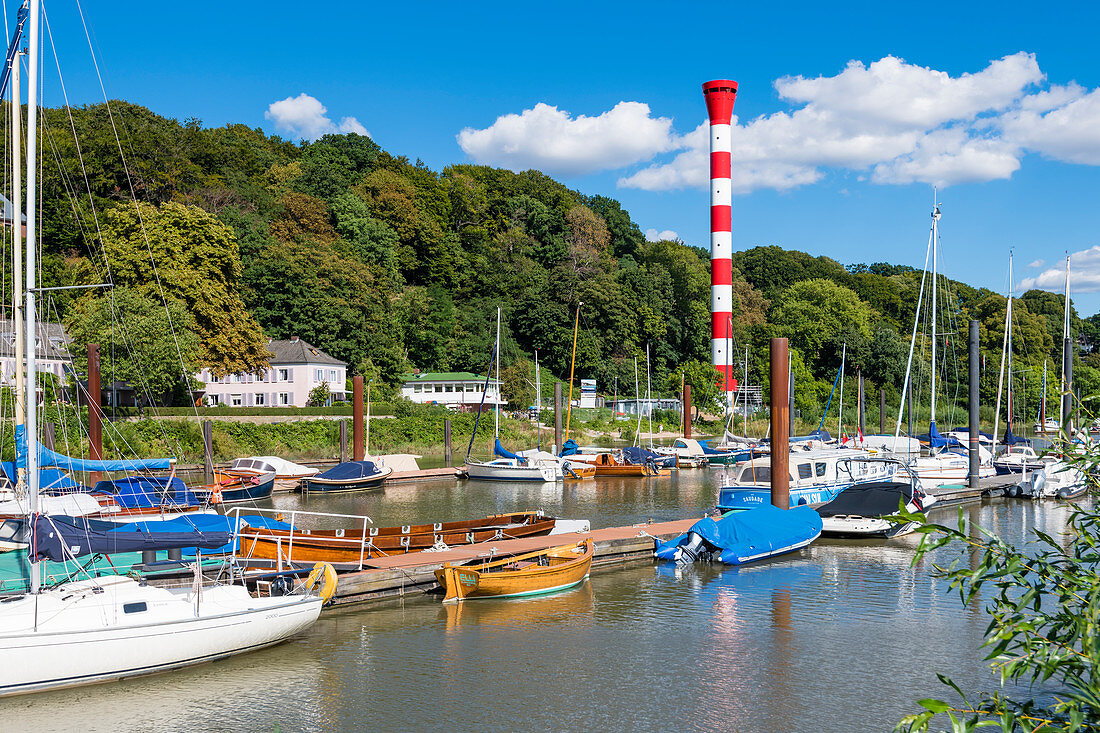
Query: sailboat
x=113 y=626
x=507 y=466
x=946 y=462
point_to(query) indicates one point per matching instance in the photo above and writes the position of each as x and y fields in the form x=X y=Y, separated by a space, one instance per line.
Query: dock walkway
x=400 y=575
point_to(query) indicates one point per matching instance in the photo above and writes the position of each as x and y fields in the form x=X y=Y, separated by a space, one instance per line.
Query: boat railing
x=235 y=512
x=903 y=464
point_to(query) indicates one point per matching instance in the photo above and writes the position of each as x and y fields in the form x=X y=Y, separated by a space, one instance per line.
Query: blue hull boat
x=740 y=498
x=744 y=537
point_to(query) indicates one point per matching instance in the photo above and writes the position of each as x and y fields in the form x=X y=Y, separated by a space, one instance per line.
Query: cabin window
x=805 y=470
x=759 y=474
x=135 y=607
x=819 y=468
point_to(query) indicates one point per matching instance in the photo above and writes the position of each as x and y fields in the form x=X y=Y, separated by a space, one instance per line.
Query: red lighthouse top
x=720 y=95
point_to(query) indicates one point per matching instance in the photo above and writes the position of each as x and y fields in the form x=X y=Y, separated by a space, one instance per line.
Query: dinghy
x=529 y=574
x=743 y=537
x=287 y=473
x=860 y=511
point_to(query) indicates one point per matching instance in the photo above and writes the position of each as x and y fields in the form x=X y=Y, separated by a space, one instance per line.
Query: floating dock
x=955 y=494
x=414 y=573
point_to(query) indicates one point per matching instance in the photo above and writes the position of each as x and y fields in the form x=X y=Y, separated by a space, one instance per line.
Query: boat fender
x=322 y=580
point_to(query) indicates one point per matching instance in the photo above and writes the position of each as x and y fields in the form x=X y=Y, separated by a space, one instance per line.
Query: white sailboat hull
x=507 y=469
x=72 y=635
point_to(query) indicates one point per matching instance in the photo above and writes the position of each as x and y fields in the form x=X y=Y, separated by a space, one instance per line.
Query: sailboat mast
x=840 y=416
x=17 y=251
x=935 y=256
x=496 y=413
x=1008 y=356
x=649 y=394
x=572 y=364
x=31 y=433
x=745 y=416
x=1065 y=332
x=638 y=399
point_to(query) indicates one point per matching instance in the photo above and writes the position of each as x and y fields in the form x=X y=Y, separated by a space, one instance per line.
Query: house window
x=213 y=399
x=449 y=388
x=260 y=399
x=284 y=375
x=416 y=388
x=319 y=375
x=236 y=379
x=469 y=388
x=236 y=400
x=439 y=388
x=332 y=375
x=284 y=398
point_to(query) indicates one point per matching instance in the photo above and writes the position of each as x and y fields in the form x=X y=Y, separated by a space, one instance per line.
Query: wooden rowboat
x=532 y=573
x=577 y=471
x=355 y=545
x=606 y=465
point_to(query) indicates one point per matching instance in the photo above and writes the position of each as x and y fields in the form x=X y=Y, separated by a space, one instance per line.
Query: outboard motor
x=696 y=548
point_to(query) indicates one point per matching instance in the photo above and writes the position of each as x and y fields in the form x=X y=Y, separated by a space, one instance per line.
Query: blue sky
x=845 y=117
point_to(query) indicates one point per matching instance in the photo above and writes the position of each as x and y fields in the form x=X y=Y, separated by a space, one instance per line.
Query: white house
x=51 y=350
x=460 y=390
x=634 y=406
x=296 y=368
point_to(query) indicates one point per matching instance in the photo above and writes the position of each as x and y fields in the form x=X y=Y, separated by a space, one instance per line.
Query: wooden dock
x=426 y=474
x=954 y=494
x=399 y=575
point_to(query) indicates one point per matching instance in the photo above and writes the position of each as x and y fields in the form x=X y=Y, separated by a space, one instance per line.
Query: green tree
x=154 y=345
x=188 y=255
x=318 y=396
x=813 y=312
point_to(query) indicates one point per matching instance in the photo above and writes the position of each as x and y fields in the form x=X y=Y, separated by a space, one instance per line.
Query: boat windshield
x=756 y=474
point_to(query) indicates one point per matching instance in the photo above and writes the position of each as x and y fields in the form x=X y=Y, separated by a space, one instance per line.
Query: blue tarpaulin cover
x=1013 y=439
x=50 y=459
x=966 y=429
x=60 y=538
x=148 y=491
x=503 y=452
x=50 y=480
x=639 y=456
x=349 y=470
x=742 y=537
x=935 y=440
x=569 y=448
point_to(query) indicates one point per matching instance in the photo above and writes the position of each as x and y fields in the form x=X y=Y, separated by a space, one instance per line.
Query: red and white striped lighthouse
x=720 y=96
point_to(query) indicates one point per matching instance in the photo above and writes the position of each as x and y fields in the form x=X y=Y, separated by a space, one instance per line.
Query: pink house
x=296 y=368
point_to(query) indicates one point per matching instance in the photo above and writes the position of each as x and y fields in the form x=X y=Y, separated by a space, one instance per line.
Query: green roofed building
x=458 y=390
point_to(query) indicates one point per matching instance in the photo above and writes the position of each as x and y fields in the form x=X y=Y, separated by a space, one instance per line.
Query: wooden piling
x=357 y=418
x=687 y=410
x=208 y=451
x=95 y=410
x=882 y=412
x=781 y=437
x=447 y=442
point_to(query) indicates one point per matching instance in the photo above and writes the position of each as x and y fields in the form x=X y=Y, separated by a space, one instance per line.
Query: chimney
x=293 y=339
x=720 y=95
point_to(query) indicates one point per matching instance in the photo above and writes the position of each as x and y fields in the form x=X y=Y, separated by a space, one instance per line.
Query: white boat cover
x=286 y=469
x=69 y=505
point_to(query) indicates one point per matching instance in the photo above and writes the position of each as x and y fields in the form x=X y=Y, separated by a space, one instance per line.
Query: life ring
x=322 y=579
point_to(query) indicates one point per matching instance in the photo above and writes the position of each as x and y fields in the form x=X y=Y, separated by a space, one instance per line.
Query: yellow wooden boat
x=532 y=573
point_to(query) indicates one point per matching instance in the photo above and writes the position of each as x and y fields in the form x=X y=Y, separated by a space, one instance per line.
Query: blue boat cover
x=60 y=538
x=707 y=450
x=503 y=452
x=569 y=448
x=50 y=480
x=1013 y=439
x=822 y=435
x=640 y=456
x=349 y=470
x=935 y=440
x=754 y=534
x=148 y=491
x=50 y=459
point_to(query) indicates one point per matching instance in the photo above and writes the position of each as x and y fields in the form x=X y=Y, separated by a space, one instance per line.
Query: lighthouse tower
x=720 y=96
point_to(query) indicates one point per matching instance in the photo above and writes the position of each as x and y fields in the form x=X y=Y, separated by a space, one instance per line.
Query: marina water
x=844 y=635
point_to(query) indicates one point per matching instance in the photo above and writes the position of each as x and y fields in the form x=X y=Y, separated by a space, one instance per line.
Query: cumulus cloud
x=1036 y=263
x=652 y=235
x=554 y=141
x=898 y=121
x=1063 y=124
x=1084 y=275
x=305 y=117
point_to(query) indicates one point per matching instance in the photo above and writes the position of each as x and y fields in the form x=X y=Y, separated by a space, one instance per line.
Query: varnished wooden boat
x=607 y=465
x=576 y=471
x=355 y=544
x=532 y=573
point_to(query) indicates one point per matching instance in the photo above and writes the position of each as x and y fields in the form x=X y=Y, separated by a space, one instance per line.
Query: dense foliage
x=391 y=266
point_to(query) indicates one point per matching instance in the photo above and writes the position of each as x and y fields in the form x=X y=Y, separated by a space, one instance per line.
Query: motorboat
x=862 y=509
x=816 y=477
x=687 y=451
x=743 y=537
x=1018 y=459
x=1056 y=479
x=288 y=475
x=346 y=477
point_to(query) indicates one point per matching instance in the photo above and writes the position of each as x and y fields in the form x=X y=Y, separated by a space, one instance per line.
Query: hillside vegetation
x=238 y=236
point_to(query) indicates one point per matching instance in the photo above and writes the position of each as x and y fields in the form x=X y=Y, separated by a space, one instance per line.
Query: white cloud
x=946 y=157
x=1063 y=124
x=652 y=235
x=1037 y=263
x=1084 y=274
x=553 y=141
x=305 y=117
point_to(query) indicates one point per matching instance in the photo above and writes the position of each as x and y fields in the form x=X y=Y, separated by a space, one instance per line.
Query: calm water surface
x=843 y=636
